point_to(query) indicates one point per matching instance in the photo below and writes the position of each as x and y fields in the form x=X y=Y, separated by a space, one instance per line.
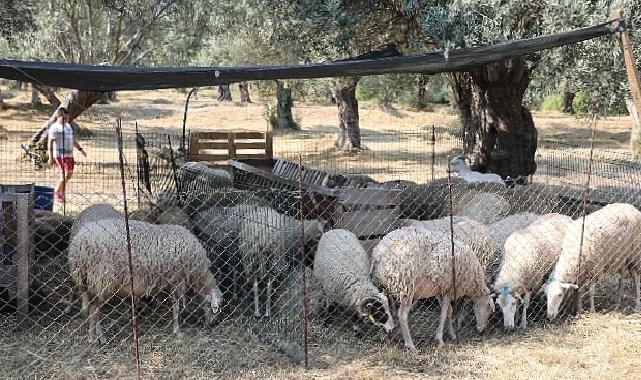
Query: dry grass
x=603 y=345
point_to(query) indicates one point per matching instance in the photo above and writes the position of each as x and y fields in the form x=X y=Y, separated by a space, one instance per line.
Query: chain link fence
x=255 y=273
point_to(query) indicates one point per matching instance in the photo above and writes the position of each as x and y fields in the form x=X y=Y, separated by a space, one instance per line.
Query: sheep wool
x=481 y=206
x=94 y=213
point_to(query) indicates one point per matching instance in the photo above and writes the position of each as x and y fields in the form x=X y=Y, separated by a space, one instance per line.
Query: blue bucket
x=43 y=198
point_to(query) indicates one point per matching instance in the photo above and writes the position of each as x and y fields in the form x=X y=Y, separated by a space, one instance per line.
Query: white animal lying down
x=414 y=263
x=610 y=244
x=458 y=165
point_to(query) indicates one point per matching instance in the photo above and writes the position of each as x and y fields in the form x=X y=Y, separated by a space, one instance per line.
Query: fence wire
x=238 y=272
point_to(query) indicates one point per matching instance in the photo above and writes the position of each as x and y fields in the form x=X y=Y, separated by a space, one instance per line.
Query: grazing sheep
x=414 y=263
x=610 y=244
x=269 y=245
x=530 y=255
x=341 y=267
x=458 y=165
x=481 y=206
x=164 y=258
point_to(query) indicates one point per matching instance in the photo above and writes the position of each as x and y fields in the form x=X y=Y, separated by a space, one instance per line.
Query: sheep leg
x=95 y=329
x=178 y=299
x=255 y=287
x=268 y=296
x=462 y=314
x=619 y=294
x=445 y=301
x=84 y=293
x=450 y=326
x=591 y=290
x=579 y=302
x=637 y=284
x=526 y=304
x=403 y=312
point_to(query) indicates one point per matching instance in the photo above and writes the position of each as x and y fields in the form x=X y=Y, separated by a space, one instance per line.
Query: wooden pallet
x=222 y=146
x=16 y=209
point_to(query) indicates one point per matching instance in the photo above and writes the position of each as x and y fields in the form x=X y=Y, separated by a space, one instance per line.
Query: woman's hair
x=60 y=111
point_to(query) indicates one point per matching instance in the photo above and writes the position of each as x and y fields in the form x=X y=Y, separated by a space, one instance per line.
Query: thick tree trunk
x=244 y=93
x=49 y=94
x=568 y=98
x=499 y=132
x=76 y=103
x=635 y=133
x=349 y=132
x=35 y=98
x=284 y=103
x=224 y=93
x=421 y=101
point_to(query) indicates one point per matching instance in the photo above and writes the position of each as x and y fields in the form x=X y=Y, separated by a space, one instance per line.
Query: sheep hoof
x=411 y=348
x=453 y=336
x=440 y=343
x=180 y=336
x=637 y=307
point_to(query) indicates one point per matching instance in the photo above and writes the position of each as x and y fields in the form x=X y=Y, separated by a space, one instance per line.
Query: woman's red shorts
x=65 y=164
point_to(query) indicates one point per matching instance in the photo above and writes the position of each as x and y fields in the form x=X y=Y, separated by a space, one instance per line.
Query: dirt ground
x=602 y=345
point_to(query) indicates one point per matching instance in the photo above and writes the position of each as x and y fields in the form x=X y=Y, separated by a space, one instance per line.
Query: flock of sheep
x=473 y=256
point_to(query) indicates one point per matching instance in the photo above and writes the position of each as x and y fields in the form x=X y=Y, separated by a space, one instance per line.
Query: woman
x=61 y=143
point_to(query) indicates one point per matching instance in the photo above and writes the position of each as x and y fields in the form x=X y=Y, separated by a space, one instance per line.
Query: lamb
x=530 y=254
x=341 y=267
x=458 y=165
x=165 y=258
x=610 y=244
x=414 y=263
x=269 y=244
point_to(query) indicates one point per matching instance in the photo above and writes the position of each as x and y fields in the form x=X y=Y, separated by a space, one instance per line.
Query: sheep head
x=457 y=164
x=483 y=309
x=508 y=301
x=554 y=291
x=212 y=303
x=376 y=309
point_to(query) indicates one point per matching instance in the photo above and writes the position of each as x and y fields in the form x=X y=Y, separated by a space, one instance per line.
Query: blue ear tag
x=504 y=290
x=551 y=279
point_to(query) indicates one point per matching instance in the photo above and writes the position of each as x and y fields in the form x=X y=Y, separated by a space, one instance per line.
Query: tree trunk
x=284 y=103
x=224 y=93
x=421 y=101
x=349 y=132
x=49 y=94
x=635 y=133
x=499 y=132
x=76 y=102
x=244 y=93
x=111 y=96
x=35 y=98
x=568 y=98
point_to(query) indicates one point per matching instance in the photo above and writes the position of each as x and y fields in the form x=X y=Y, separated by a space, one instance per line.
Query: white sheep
x=610 y=244
x=341 y=267
x=502 y=229
x=458 y=165
x=529 y=255
x=164 y=257
x=269 y=243
x=415 y=263
x=93 y=213
x=482 y=206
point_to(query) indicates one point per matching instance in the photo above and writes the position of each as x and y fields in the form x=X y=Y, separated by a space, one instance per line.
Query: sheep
x=502 y=229
x=269 y=243
x=530 y=253
x=610 y=244
x=198 y=176
x=164 y=258
x=93 y=213
x=458 y=165
x=414 y=263
x=341 y=267
x=484 y=207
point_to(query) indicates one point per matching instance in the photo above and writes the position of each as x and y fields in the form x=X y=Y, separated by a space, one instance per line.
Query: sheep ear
x=566 y=285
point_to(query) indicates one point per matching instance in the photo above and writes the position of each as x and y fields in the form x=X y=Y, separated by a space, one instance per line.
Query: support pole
x=634 y=79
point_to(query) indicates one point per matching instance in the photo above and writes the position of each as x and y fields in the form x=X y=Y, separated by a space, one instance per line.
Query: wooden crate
x=222 y=146
x=367 y=212
x=16 y=217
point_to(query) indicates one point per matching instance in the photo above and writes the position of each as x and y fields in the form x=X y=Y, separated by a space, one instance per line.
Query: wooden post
x=269 y=146
x=22 y=259
x=194 y=149
x=633 y=73
x=231 y=145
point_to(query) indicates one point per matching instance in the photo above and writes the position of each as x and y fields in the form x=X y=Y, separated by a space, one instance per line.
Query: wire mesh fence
x=255 y=272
